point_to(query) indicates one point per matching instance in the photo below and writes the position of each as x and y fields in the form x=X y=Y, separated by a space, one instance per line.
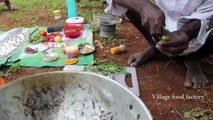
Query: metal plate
x=12 y=41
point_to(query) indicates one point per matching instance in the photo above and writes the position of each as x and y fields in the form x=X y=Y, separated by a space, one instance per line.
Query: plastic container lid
x=56 y=11
x=75 y=20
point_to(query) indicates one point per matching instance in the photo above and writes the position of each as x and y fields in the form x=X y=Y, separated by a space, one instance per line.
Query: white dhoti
x=178 y=13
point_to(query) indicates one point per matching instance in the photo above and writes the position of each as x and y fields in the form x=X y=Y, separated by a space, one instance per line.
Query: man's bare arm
x=192 y=28
x=152 y=17
x=135 y=5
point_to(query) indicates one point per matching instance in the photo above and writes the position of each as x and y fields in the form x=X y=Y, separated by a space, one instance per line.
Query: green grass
x=87 y=14
x=196 y=113
x=32 y=5
x=30 y=12
x=91 y=3
x=40 y=12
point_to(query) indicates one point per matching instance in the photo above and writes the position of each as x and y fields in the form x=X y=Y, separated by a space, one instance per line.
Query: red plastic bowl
x=72 y=31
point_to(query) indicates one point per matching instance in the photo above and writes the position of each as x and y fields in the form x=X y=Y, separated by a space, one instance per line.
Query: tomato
x=42 y=32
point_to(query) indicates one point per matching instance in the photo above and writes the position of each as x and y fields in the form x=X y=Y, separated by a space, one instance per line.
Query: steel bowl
x=69 y=96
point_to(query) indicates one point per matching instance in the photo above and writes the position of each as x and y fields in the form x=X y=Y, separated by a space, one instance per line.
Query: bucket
x=69 y=96
x=107 y=29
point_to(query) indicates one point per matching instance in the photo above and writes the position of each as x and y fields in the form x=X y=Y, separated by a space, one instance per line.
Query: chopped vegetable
x=72 y=30
x=36 y=39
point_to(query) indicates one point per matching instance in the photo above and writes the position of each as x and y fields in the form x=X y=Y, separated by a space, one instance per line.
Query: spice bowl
x=86 y=48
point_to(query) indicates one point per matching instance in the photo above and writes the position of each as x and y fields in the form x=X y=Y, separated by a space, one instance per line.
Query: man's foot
x=210 y=59
x=10 y=6
x=141 y=57
x=194 y=76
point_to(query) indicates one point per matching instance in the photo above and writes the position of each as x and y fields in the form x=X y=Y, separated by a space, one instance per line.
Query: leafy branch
x=196 y=113
x=104 y=67
x=12 y=69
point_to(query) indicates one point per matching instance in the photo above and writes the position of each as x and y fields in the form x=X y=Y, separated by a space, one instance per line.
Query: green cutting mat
x=36 y=60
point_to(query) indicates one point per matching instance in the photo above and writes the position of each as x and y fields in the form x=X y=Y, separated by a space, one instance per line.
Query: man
x=188 y=23
x=9 y=5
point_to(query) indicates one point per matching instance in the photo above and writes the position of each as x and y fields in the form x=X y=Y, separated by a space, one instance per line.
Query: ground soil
x=158 y=76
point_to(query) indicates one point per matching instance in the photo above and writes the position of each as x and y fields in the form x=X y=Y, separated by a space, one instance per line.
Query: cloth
x=115 y=9
x=36 y=59
x=178 y=13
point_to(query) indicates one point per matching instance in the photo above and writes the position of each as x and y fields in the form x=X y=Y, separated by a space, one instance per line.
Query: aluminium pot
x=107 y=29
x=69 y=95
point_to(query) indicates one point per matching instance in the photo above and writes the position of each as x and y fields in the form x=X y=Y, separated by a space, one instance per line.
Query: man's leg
x=194 y=75
x=141 y=57
x=9 y=5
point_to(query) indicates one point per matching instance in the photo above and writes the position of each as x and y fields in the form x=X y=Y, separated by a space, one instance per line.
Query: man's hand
x=179 y=40
x=177 y=43
x=152 y=18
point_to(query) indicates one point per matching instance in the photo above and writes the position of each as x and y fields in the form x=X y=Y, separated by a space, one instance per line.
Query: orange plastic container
x=2 y=81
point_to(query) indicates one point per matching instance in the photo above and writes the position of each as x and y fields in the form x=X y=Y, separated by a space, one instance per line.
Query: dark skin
x=9 y=5
x=151 y=24
x=179 y=39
